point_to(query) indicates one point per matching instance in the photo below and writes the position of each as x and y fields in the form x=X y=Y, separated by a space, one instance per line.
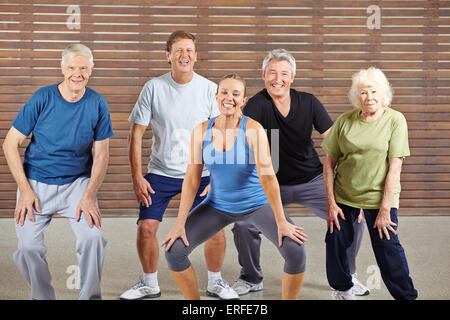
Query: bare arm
x=333 y=210
x=324 y=135
x=258 y=142
x=27 y=198
x=141 y=187
x=189 y=188
x=383 y=219
x=87 y=203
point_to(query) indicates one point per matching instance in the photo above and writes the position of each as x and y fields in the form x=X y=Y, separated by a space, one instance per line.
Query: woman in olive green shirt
x=365 y=150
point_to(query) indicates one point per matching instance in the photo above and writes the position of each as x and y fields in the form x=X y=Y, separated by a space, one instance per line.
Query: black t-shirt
x=294 y=158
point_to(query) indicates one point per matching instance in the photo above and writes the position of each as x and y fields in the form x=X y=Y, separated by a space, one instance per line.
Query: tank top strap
x=243 y=123
x=241 y=132
x=208 y=133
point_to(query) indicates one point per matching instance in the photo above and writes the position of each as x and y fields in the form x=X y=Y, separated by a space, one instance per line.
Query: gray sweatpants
x=90 y=244
x=247 y=236
x=205 y=221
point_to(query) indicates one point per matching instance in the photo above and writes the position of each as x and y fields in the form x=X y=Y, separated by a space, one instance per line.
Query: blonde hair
x=374 y=77
x=236 y=77
x=77 y=49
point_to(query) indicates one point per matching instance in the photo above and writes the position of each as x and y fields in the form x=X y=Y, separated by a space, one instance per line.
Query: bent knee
x=294 y=255
x=148 y=228
x=218 y=238
x=177 y=256
x=91 y=238
x=243 y=227
x=27 y=248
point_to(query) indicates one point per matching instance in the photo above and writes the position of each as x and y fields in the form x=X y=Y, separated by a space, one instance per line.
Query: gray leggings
x=205 y=221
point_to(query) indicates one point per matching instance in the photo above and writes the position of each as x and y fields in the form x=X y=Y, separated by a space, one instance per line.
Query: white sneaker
x=243 y=287
x=343 y=295
x=358 y=288
x=141 y=291
x=222 y=290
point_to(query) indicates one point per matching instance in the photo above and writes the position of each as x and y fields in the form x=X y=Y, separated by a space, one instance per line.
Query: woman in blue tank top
x=243 y=187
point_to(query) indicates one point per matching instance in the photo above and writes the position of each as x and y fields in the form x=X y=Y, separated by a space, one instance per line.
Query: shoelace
x=138 y=285
x=222 y=283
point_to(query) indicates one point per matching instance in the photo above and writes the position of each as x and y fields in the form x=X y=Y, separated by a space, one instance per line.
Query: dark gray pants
x=205 y=221
x=247 y=236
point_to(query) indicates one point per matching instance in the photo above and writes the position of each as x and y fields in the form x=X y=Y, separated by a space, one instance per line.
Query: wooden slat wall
x=330 y=40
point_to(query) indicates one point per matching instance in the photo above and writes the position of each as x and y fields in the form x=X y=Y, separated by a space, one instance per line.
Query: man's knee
x=147 y=228
x=218 y=238
x=90 y=238
x=27 y=248
x=242 y=228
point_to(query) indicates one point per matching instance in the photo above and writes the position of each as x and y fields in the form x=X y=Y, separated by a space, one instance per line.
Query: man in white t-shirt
x=174 y=104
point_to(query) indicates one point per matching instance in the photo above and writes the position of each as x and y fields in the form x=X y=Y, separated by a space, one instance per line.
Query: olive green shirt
x=362 y=150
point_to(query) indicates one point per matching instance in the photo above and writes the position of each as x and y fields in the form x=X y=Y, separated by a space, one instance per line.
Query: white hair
x=77 y=49
x=370 y=77
x=279 y=55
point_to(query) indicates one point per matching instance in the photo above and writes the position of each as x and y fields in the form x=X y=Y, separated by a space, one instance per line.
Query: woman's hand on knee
x=384 y=224
x=176 y=232
x=287 y=229
x=332 y=217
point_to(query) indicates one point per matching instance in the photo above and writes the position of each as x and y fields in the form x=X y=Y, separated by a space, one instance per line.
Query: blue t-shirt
x=60 y=150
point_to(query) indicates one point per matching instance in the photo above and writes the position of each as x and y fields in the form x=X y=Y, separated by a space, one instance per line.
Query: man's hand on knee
x=91 y=212
x=27 y=200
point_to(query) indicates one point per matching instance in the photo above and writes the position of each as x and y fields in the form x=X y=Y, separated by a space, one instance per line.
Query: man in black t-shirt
x=288 y=116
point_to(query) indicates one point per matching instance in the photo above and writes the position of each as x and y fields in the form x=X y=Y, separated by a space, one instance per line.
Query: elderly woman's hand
x=384 y=224
x=332 y=216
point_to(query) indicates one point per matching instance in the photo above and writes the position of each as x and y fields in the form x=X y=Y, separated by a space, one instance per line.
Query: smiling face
x=278 y=78
x=76 y=71
x=230 y=97
x=369 y=98
x=182 y=56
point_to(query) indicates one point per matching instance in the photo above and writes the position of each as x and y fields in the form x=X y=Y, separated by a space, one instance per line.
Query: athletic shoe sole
x=258 y=288
x=366 y=293
x=215 y=295
x=154 y=295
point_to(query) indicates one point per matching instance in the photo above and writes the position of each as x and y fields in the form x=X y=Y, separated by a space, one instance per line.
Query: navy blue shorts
x=165 y=189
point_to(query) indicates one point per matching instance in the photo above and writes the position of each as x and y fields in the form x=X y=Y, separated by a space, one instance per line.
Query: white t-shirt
x=173 y=110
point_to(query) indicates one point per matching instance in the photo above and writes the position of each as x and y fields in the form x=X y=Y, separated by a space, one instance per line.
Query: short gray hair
x=280 y=55
x=370 y=76
x=77 y=49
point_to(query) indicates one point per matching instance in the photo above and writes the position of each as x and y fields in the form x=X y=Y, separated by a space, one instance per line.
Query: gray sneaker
x=141 y=291
x=358 y=288
x=222 y=290
x=243 y=287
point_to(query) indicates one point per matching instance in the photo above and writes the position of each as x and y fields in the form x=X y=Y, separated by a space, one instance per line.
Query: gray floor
x=426 y=241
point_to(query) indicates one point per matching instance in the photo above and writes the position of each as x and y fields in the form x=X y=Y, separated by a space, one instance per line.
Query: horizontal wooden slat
x=329 y=39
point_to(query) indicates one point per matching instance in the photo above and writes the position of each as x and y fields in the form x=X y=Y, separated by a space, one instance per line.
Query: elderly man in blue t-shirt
x=60 y=172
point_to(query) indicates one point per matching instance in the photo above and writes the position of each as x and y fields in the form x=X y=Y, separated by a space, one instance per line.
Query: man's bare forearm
x=11 y=149
x=99 y=168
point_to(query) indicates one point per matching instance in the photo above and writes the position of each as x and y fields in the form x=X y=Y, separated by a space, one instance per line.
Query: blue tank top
x=235 y=185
